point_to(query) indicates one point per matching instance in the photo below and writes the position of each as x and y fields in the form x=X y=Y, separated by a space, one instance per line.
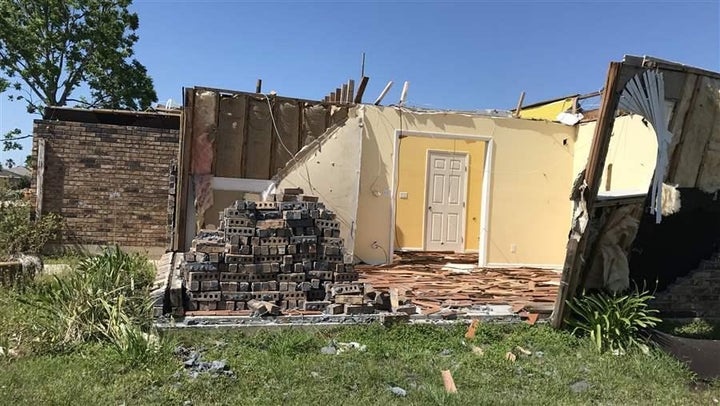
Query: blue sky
x=456 y=55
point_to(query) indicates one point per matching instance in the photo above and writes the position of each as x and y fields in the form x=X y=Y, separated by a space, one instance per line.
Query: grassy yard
x=287 y=367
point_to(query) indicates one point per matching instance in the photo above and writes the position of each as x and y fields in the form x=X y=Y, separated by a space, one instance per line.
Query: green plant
x=19 y=233
x=613 y=321
x=105 y=298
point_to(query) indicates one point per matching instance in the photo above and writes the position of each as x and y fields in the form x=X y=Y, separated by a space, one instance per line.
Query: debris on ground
x=194 y=365
x=477 y=350
x=449 y=382
x=398 y=391
x=429 y=281
x=523 y=351
x=579 y=386
x=510 y=356
x=335 y=348
x=470 y=334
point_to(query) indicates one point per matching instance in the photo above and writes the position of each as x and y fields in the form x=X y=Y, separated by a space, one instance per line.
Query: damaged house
x=625 y=192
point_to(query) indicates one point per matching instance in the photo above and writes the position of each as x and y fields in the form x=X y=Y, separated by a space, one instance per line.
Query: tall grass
x=103 y=299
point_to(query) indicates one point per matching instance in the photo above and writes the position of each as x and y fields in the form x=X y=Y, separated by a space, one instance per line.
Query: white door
x=445 y=201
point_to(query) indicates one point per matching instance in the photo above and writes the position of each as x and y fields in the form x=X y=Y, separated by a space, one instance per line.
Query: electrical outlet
x=513 y=248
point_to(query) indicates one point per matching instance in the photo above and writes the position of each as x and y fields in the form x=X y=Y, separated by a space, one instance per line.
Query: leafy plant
x=19 y=233
x=613 y=321
x=104 y=299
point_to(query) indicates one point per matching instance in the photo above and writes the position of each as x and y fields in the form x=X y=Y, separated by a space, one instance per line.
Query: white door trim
x=487 y=179
x=465 y=192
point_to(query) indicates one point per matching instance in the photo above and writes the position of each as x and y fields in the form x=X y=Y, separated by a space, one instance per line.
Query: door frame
x=465 y=193
x=487 y=181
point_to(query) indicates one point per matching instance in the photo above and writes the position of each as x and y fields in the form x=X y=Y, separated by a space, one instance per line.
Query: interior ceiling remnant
x=682 y=104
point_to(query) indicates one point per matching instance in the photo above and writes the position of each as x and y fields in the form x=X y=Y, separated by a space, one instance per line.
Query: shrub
x=19 y=233
x=613 y=321
x=105 y=298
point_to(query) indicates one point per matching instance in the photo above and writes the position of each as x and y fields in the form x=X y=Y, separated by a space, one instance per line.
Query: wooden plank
x=361 y=89
x=519 y=104
x=344 y=93
x=350 y=91
x=180 y=242
x=572 y=268
x=40 y=180
x=259 y=141
x=258 y=86
x=230 y=137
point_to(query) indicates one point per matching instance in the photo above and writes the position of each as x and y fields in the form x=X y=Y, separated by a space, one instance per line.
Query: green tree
x=51 y=49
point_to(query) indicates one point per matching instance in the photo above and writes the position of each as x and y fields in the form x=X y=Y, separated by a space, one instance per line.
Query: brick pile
x=273 y=256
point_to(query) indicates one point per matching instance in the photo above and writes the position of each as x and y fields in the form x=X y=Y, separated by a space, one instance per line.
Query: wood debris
x=421 y=277
x=449 y=382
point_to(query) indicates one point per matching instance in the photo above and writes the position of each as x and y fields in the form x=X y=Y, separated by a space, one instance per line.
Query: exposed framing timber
x=361 y=89
x=184 y=162
x=575 y=253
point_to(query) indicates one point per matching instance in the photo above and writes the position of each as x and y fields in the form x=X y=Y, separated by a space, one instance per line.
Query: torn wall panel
x=330 y=169
x=696 y=133
x=315 y=122
x=230 y=140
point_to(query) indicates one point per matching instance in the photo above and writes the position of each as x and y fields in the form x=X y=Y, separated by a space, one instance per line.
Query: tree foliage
x=51 y=49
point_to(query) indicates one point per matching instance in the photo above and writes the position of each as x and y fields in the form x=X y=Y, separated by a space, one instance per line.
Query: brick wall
x=108 y=181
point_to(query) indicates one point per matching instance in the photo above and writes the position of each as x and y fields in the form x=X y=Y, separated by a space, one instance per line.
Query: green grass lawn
x=287 y=367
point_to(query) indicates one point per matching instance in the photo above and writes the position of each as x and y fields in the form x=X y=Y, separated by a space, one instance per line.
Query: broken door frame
x=487 y=179
x=465 y=185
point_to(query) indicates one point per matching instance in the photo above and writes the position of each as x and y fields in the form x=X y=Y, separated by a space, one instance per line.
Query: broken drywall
x=329 y=168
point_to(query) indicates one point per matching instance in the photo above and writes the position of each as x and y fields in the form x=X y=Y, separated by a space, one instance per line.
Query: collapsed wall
x=271 y=256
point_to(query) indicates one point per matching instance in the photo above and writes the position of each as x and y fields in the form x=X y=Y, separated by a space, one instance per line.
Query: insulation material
x=203 y=150
x=315 y=122
x=259 y=140
x=287 y=120
x=203 y=198
x=644 y=94
x=230 y=136
x=610 y=259
x=670 y=199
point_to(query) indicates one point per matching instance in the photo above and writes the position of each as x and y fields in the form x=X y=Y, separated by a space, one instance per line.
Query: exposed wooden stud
x=361 y=89
x=350 y=91
x=40 y=180
x=383 y=93
x=403 y=94
x=574 y=257
x=362 y=66
x=183 y=181
x=338 y=95
x=519 y=104
x=344 y=93
x=258 y=86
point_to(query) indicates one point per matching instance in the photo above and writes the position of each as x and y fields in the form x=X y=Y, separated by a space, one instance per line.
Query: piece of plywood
x=259 y=142
x=696 y=134
x=230 y=137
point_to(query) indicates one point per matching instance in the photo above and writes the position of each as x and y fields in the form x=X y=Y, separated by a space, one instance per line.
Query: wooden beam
x=383 y=93
x=40 y=180
x=344 y=93
x=338 y=95
x=574 y=257
x=184 y=162
x=258 y=86
x=350 y=91
x=519 y=104
x=361 y=89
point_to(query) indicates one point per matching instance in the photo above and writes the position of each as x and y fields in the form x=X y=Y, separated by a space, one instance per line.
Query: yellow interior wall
x=412 y=172
x=632 y=153
x=547 y=111
x=529 y=214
